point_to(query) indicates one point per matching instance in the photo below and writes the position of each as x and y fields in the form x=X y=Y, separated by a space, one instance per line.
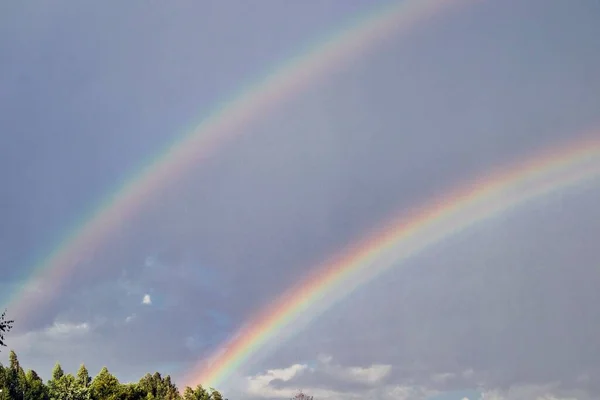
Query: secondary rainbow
x=224 y=123
x=403 y=237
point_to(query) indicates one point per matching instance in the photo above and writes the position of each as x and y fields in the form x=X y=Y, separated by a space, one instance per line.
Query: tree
x=54 y=382
x=35 y=387
x=105 y=386
x=13 y=361
x=216 y=395
x=57 y=372
x=156 y=387
x=199 y=393
x=131 y=391
x=83 y=377
x=66 y=388
x=5 y=327
x=17 y=383
x=168 y=390
x=302 y=396
x=148 y=385
x=4 y=383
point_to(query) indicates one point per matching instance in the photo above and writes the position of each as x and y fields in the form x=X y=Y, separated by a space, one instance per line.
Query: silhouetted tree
x=5 y=327
x=302 y=396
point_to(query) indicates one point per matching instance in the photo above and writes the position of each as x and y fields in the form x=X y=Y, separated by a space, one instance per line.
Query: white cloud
x=59 y=329
x=403 y=393
x=366 y=375
x=129 y=318
x=54 y=332
x=147 y=299
x=467 y=374
x=324 y=358
x=370 y=375
x=442 y=377
x=285 y=383
x=260 y=385
x=531 y=392
x=59 y=338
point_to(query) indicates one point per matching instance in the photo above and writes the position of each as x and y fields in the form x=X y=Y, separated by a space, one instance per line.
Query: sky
x=506 y=310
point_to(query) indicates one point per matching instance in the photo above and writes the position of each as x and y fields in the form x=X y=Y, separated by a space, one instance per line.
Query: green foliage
x=158 y=387
x=199 y=393
x=83 y=377
x=67 y=388
x=16 y=384
x=15 y=378
x=131 y=391
x=35 y=388
x=216 y=395
x=57 y=372
x=105 y=386
x=13 y=361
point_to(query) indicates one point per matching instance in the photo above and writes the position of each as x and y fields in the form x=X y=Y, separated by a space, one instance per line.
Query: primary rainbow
x=224 y=123
x=402 y=238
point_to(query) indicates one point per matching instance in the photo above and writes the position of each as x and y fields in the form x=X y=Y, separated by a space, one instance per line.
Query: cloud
x=58 y=331
x=263 y=386
x=442 y=377
x=365 y=375
x=285 y=382
x=146 y=299
x=549 y=391
x=68 y=338
x=67 y=329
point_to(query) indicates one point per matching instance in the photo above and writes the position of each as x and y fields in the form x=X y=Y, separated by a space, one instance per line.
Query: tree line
x=16 y=384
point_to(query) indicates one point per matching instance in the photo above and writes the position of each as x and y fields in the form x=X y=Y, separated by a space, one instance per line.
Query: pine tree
x=199 y=393
x=57 y=372
x=105 y=385
x=83 y=376
x=131 y=391
x=16 y=377
x=4 y=383
x=216 y=395
x=15 y=384
x=35 y=387
x=13 y=361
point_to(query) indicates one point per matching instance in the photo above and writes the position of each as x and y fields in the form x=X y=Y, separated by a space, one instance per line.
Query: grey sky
x=88 y=93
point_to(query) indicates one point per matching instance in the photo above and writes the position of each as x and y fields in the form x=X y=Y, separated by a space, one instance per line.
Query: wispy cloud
x=59 y=329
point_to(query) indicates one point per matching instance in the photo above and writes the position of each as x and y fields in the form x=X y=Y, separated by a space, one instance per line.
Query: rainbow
x=405 y=236
x=223 y=124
